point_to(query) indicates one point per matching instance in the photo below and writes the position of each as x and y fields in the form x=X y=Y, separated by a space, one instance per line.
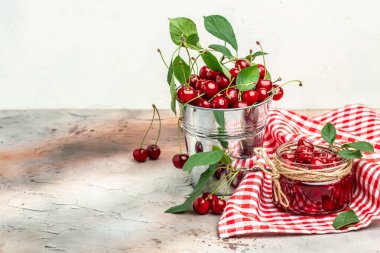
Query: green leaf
x=198 y=189
x=363 y=146
x=193 y=42
x=219 y=117
x=329 y=133
x=221 y=28
x=203 y=158
x=182 y=26
x=181 y=70
x=211 y=61
x=222 y=49
x=247 y=78
x=170 y=73
x=225 y=159
x=254 y=55
x=350 y=154
x=344 y=219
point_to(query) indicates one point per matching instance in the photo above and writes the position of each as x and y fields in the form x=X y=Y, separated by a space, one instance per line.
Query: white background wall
x=102 y=53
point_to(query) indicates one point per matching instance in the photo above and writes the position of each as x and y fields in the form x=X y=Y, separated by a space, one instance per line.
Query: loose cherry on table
x=218 y=205
x=179 y=160
x=266 y=84
x=209 y=197
x=262 y=94
x=242 y=63
x=250 y=97
x=210 y=88
x=140 y=155
x=219 y=102
x=232 y=96
x=186 y=94
x=201 y=206
x=222 y=81
x=153 y=151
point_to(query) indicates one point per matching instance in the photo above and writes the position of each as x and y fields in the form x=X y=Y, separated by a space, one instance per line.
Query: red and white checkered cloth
x=250 y=210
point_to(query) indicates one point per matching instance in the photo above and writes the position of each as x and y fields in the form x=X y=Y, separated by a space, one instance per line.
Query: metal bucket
x=238 y=130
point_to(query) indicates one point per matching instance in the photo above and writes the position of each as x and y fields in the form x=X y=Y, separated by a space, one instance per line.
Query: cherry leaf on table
x=185 y=27
x=222 y=29
x=247 y=78
x=181 y=70
x=222 y=49
x=225 y=159
x=329 y=133
x=344 y=219
x=363 y=146
x=350 y=154
x=202 y=158
x=212 y=62
x=198 y=190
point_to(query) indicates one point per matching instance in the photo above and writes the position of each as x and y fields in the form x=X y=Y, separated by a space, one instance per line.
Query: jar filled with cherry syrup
x=312 y=180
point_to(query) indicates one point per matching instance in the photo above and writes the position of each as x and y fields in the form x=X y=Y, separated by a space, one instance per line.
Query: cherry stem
x=159 y=120
x=162 y=57
x=291 y=81
x=229 y=183
x=147 y=131
x=178 y=136
x=194 y=63
x=278 y=79
x=262 y=51
x=250 y=55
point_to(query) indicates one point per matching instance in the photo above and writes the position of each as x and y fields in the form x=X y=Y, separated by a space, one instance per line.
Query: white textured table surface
x=69 y=184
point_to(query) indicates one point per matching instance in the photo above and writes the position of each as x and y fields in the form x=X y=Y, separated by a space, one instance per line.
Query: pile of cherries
x=203 y=204
x=212 y=89
x=306 y=153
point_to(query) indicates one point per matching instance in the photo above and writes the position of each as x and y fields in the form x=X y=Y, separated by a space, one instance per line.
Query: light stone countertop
x=69 y=184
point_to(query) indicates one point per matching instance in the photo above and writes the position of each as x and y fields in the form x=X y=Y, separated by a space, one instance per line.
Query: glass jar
x=314 y=198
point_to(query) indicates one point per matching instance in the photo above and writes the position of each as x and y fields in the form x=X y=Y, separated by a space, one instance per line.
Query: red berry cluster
x=306 y=153
x=212 y=89
x=202 y=205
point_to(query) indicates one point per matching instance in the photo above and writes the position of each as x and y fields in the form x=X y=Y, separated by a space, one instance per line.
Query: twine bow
x=296 y=173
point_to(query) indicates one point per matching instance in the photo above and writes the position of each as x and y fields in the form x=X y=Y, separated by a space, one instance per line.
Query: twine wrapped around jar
x=296 y=173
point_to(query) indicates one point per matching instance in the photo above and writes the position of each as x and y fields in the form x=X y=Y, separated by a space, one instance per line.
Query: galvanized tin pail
x=239 y=130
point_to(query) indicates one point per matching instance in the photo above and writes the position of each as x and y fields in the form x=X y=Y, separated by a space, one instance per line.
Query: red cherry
x=234 y=72
x=198 y=95
x=218 y=205
x=261 y=71
x=199 y=84
x=232 y=96
x=218 y=173
x=240 y=104
x=304 y=142
x=193 y=79
x=209 y=197
x=279 y=94
x=242 y=63
x=222 y=81
x=210 y=88
x=250 y=96
x=289 y=156
x=140 y=155
x=205 y=72
x=179 y=160
x=266 y=84
x=213 y=74
x=304 y=157
x=262 y=94
x=186 y=94
x=201 y=206
x=219 y=102
x=153 y=151
x=204 y=103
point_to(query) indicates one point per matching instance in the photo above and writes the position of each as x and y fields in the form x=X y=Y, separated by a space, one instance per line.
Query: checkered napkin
x=250 y=210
